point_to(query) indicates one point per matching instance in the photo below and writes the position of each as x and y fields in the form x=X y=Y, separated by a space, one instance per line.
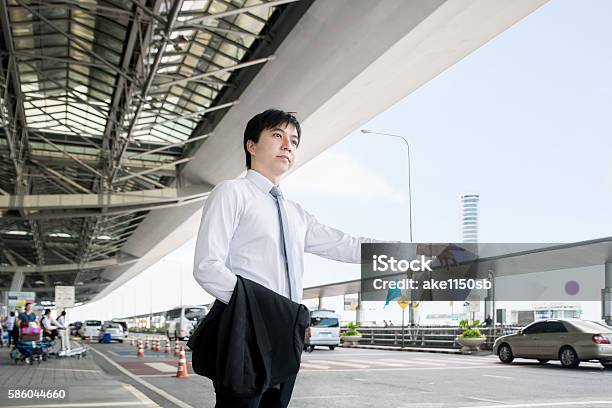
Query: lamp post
x=367 y=131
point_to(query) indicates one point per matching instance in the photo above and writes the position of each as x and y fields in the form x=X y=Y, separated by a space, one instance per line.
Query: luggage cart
x=66 y=350
x=31 y=351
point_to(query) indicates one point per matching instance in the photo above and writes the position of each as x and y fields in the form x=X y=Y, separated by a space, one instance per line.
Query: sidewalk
x=85 y=384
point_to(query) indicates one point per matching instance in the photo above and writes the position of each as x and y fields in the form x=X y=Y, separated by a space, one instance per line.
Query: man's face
x=28 y=308
x=274 y=153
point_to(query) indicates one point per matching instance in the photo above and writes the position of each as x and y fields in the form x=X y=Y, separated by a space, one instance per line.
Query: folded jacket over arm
x=252 y=343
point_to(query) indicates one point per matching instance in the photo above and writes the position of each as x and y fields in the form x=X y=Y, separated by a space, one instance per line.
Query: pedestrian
x=249 y=229
x=50 y=325
x=26 y=317
x=62 y=319
x=11 y=328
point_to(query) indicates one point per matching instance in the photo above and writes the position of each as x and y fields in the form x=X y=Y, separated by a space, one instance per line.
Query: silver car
x=113 y=329
x=569 y=341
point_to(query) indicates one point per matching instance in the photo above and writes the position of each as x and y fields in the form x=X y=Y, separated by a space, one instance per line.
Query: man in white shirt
x=249 y=229
x=50 y=325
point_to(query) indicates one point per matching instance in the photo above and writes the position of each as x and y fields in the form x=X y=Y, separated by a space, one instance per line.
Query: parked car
x=90 y=329
x=569 y=341
x=124 y=327
x=324 y=330
x=114 y=329
x=74 y=328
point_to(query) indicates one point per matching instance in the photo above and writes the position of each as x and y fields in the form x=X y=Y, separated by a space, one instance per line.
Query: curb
x=417 y=350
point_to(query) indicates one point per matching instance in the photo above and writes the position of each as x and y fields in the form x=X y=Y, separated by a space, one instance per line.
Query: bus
x=181 y=320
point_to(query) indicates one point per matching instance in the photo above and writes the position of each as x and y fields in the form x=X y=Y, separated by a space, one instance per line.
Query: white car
x=90 y=329
x=324 y=330
x=113 y=329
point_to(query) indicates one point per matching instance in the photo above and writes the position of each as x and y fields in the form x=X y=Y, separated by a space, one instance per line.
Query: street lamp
x=366 y=131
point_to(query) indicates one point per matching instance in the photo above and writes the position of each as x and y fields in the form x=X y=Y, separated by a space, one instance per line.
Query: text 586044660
x=37 y=393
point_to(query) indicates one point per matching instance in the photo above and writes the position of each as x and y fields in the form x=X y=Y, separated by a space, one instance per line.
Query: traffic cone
x=146 y=344
x=167 y=348
x=156 y=345
x=181 y=371
x=140 y=352
x=176 y=348
x=132 y=341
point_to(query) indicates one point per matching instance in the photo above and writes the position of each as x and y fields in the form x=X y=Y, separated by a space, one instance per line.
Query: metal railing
x=427 y=336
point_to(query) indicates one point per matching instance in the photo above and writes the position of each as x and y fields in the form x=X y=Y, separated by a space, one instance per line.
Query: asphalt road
x=372 y=378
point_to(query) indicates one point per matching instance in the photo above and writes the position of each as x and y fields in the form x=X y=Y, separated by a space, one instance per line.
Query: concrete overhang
x=344 y=62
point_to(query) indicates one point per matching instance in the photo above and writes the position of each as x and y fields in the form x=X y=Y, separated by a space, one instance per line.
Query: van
x=324 y=330
x=90 y=329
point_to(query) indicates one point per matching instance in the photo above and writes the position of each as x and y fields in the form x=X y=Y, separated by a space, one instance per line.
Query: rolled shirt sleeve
x=220 y=218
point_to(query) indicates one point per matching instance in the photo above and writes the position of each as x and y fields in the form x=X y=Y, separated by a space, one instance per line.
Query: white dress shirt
x=240 y=235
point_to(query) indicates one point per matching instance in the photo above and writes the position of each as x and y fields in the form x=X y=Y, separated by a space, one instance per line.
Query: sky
x=524 y=120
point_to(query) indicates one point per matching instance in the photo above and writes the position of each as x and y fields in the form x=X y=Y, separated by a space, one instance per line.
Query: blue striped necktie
x=284 y=234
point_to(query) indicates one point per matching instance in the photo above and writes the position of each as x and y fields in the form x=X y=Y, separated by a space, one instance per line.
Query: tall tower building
x=470 y=216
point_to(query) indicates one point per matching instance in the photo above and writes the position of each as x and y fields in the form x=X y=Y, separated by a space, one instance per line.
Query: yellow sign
x=403 y=301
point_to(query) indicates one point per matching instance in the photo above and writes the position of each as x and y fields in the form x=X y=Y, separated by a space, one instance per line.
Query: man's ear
x=250 y=146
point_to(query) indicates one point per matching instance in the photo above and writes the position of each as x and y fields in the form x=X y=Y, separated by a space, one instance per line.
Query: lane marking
x=542 y=404
x=343 y=364
x=163 y=367
x=324 y=397
x=142 y=382
x=497 y=376
x=82 y=404
x=70 y=369
x=428 y=361
x=314 y=366
x=377 y=362
x=397 y=369
x=485 y=400
x=141 y=397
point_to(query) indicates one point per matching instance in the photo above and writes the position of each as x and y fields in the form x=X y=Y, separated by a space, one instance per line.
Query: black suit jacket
x=252 y=343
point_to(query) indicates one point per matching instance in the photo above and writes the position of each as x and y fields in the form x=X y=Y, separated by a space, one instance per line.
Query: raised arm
x=334 y=244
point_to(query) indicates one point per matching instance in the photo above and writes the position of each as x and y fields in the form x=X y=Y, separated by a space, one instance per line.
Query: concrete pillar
x=606 y=295
x=490 y=300
x=17 y=282
x=359 y=313
x=320 y=302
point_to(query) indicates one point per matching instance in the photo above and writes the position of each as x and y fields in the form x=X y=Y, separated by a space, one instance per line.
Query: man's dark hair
x=12 y=314
x=63 y=313
x=27 y=304
x=47 y=311
x=267 y=120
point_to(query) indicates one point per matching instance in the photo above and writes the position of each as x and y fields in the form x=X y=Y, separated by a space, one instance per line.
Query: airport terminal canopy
x=102 y=102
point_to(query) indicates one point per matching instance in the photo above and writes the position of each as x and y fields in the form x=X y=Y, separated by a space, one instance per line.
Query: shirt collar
x=259 y=180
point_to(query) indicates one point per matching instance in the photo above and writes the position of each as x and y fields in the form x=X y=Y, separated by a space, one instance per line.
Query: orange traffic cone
x=167 y=348
x=146 y=343
x=140 y=352
x=182 y=365
x=156 y=345
x=176 y=348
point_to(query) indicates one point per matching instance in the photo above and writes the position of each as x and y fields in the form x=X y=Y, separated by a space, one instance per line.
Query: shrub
x=351 y=330
x=469 y=329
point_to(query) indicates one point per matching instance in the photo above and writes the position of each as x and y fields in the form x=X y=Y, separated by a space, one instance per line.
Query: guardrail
x=434 y=337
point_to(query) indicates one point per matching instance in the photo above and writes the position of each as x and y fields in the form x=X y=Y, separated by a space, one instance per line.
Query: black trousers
x=271 y=398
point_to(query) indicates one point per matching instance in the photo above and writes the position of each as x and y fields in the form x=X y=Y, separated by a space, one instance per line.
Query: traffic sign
x=403 y=301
